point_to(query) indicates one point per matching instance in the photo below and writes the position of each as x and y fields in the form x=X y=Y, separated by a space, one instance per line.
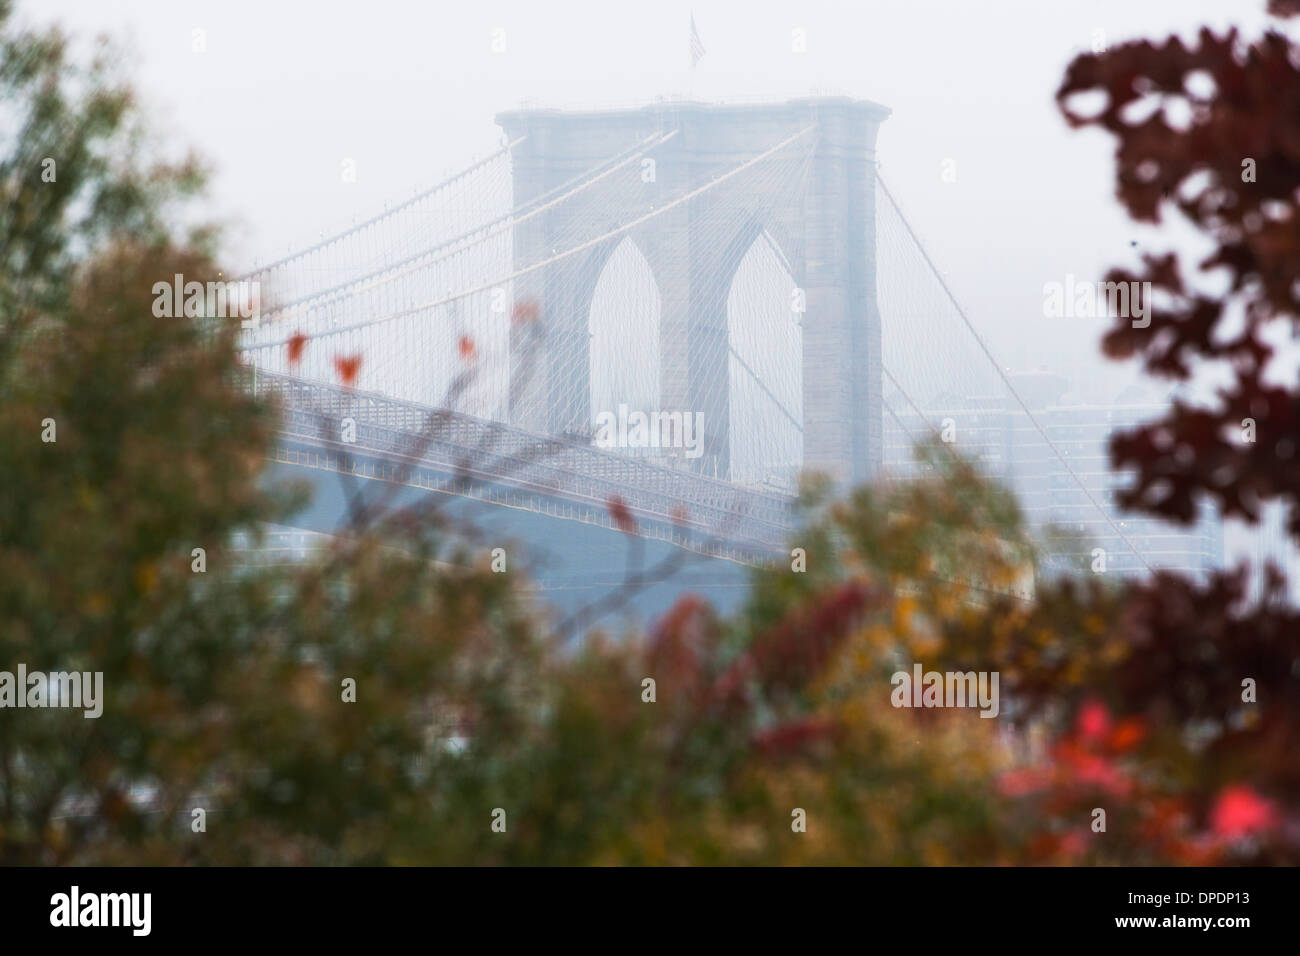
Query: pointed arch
x=765 y=338
x=624 y=322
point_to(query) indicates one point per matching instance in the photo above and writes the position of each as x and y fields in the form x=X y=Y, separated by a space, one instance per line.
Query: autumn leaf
x=297 y=344
x=795 y=736
x=1243 y=201
x=1093 y=721
x=673 y=652
x=1239 y=812
x=796 y=648
x=1023 y=781
x=146 y=577
x=347 y=368
x=618 y=511
x=1127 y=735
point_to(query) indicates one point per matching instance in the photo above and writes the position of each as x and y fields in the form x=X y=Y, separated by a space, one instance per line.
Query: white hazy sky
x=409 y=89
x=285 y=90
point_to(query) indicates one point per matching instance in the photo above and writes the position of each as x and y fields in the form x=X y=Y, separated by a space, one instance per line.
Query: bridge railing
x=493 y=451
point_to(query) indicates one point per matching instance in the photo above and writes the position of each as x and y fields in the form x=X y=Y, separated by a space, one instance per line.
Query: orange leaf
x=466 y=348
x=347 y=367
x=1128 y=734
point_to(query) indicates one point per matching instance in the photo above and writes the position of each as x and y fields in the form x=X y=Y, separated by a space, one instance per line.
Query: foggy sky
x=285 y=90
x=409 y=89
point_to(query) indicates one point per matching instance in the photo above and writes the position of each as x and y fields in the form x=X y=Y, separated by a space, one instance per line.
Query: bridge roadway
x=545 y=500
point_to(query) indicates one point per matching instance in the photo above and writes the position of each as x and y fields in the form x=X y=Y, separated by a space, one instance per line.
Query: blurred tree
x=390 y=700
x=369 y=704
x=223 y=688
x=1208 y=683
x=1209 y=131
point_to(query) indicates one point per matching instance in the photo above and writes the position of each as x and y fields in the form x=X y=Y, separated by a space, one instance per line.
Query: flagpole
x=690 y=59
x=695 y=52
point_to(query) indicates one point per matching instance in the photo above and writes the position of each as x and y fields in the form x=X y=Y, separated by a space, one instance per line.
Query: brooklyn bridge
x=745 y=266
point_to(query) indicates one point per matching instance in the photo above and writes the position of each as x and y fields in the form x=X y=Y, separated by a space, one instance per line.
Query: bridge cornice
x=797 y=108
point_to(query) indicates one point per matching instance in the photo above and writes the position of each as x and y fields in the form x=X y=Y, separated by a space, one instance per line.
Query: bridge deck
x=455 y=453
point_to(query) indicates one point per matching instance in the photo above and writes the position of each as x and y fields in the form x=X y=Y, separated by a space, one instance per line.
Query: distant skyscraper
x=1070 y=486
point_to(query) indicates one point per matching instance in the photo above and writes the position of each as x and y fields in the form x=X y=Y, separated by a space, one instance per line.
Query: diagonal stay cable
x=528 y=270
x=329 y=240
x=919 y=414
x=461 y=243
x=785 y=264
x=1002 y=375
x=766 y=391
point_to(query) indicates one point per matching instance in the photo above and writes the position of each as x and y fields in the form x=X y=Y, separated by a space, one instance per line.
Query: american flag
x=697 y=48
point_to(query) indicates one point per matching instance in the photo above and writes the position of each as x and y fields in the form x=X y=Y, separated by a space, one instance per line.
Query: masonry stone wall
x=826 y=232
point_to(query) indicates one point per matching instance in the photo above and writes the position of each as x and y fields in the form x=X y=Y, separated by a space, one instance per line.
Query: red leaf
x=347 y=367
x=1026 y=780
x=623 y=519
x=795 y=649
x=297 y=343
x=1073 y=843
x=1128 y=734
x=1240 y=811
x=673 y=653
x=1093 y=721
x=795 y=735
x=1090 y=770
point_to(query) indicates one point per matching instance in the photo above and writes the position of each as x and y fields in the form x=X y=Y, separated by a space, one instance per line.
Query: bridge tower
x=824 y=229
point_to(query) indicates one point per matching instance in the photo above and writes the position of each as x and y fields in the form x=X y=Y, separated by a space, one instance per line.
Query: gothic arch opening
x=624 y=328
x=765 y=337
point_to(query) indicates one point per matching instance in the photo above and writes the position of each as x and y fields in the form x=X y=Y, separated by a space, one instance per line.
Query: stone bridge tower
x=824 y=230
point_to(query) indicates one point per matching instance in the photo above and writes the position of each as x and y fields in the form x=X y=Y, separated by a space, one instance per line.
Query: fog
x=282 y=93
